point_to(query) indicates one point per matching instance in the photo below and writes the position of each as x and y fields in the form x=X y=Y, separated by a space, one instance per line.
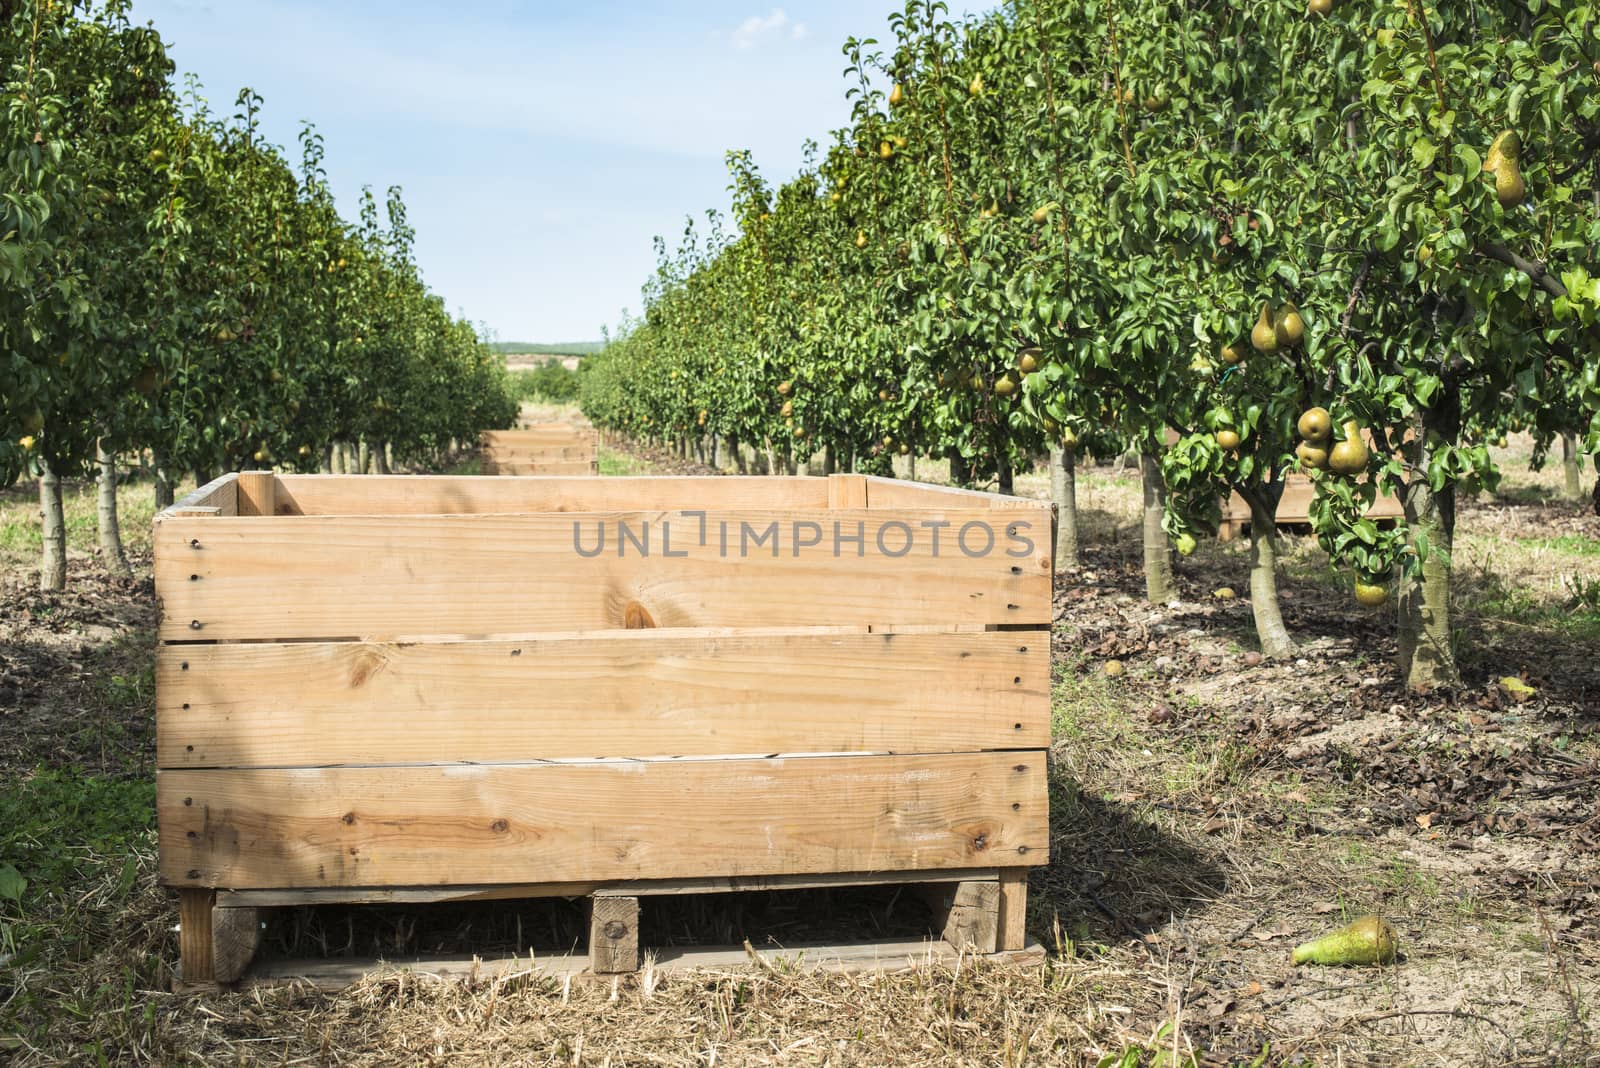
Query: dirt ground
x=1209 y=811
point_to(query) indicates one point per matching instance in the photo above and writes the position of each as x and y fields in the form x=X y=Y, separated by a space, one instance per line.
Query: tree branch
x=1538 y=272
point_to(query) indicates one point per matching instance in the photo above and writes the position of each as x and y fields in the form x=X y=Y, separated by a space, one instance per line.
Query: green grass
x=21 y=536
x=1571 y=544
x=59 y=828
x=621 y=463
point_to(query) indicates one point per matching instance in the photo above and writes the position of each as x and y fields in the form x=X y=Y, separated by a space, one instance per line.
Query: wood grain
x=599 y=821
x=466 y=495
x=1013 y=918
x=257 y=493
x=901 y=493
x=613 y=934
x=387 y=577
x=195 y=947
x=902 y=955
x=428 y=895
x=219 y=497
x=522 y=466
x=616 y=694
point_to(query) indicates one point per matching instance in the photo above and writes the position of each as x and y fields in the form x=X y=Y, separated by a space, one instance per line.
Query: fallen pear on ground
x=1368 y=940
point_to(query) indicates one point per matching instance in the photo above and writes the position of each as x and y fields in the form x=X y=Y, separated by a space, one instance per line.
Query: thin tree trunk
x=960 y=470
x=202 y=475
x=325 y=465
x=1270 y=631
x=106 y=510
x=363 y=457
x=53 y=564
x=164 y=488
x=830 y=459
x=772 y=459
x=1571 y=469
x=733 y=449
x=1427 y=650
x=1159 y=586
x=380 y=457
x=1064 y=491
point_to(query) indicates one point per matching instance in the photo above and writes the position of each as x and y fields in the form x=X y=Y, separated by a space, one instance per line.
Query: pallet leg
x=235 y=937
x=195 y=947
x=613 y=935
x=966 y=914
x=1013 y=909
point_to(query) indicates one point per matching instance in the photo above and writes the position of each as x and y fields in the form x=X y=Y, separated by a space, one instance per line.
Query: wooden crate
x=541 y=449
x=451 y=687
x=1294 y=508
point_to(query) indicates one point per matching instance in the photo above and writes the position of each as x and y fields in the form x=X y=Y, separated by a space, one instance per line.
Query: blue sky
x=540 y=145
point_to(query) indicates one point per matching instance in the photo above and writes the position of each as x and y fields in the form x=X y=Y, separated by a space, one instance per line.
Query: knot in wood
x=615 y=930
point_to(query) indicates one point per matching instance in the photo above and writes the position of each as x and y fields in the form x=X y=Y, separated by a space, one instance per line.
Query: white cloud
x=800 y=32
x=755 y=27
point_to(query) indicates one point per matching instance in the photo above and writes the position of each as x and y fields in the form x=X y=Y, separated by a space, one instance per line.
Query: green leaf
x=12 y=884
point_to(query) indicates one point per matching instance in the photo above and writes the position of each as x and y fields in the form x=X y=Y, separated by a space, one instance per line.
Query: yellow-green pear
x=1263 y=336
x=1289 y=327
x=1350 y=456
x=1369 y=940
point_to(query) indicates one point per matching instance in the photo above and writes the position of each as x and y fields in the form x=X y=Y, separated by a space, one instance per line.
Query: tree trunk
x=772 y=458
x=1159 y=586
x=1064 y=491
x=1270 y=631
x=111 y=553
x=736 y=451
x=53 y=565
x=363 y=457
x=1571 y=468
x=1427 y=652
x=380 y=457
x=202 y=475
x=325 y=464
x=164 y=488
x=830 y=458
x=960 y=470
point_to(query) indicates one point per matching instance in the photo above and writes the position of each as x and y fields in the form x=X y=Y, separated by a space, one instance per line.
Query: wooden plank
x=613 y=935
x=428 y=895
x=219 y=497
x=847 y=491
x=195 y=947
x=316 y=495
x=386 y=577
x=638 y=693
x=235 y=937
x=257 y=493
x=1295 y=506
x=566 y=468
x=561 y=822
x=890 y=957
x=540 y=434
x=1013 y=918
x=967 y=913
x=904 y=493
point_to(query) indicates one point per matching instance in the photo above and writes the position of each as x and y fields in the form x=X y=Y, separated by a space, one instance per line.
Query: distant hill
x=565 y=348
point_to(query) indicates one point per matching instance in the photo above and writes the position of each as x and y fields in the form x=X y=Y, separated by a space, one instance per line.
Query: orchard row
x=169 y=282
x=1355 y=240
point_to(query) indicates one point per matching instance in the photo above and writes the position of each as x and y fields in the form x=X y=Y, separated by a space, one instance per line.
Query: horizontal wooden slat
x=868 y=958
x=539 y=467
x=464 y=495
x=219 y=497
x=600 y=821
x=542 y=434
x=901 y=493
x=623 y=694
x=554 y=453
x=428 y=895
x=385 y=577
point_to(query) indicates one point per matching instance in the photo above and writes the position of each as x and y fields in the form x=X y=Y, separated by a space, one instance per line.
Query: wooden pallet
x=1294 y=508
x=977 y=913
x=542 y=449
